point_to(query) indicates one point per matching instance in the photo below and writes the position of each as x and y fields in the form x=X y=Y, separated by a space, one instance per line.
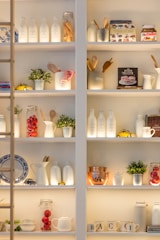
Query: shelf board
x=125 y=140
x=40 y=233
x=39 y=93
x=35 y=187
x=124 y=93
x=135 y=234
x=59 y=46
x=125 y=187
x=123 y=46
x=41 y=140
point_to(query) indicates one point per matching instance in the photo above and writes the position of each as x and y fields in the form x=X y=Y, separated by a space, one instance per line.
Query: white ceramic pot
x=67 y=132
x=39 y=84
x=137 y=179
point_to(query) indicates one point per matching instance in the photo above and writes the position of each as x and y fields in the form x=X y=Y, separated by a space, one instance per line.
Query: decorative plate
x=20 y=165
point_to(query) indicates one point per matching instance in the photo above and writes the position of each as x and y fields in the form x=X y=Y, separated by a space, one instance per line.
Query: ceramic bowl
x=28 y=225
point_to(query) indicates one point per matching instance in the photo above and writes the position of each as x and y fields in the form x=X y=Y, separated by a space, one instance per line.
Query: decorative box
x=154 y=122
x=122 y=31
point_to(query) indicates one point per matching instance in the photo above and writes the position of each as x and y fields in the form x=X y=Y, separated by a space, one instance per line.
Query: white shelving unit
x=86 y=204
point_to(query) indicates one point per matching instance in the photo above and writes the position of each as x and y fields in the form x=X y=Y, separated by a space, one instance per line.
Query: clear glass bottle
x=154 y=174
x=140 y=215
x=32 y=121
x=92 y=124
x=46 y=207
x=68 y=27
x=55 y=31
x=68 y=175
x=55 y=174
x=101 y=124
x=156 y=213
x=92 y=32
x=2 y=125
x=23 y=31
x=32 y=31
x=140 y=123
x=111 y=125
x=44 y=31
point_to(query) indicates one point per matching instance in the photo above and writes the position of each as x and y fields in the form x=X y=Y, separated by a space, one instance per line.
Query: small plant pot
x=39 y=84
x=137 y=179
x=67 y=132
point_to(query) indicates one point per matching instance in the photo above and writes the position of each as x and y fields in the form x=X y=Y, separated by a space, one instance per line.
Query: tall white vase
x=16 y=126
x=158 y=78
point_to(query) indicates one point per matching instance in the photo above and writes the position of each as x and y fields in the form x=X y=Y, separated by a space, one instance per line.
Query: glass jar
x=97 y=175
x=68 y=27
x=154 y=174
x=46 y=214
x=32 y=121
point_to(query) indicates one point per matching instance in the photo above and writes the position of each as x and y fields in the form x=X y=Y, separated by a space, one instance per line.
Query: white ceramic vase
x=158 y=78
x=39 y=84
x=67 y=132
x=137 y=179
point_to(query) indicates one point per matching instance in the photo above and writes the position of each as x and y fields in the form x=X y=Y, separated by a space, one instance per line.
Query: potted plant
x=39 y=76
x=67 y=124
x=137 y=169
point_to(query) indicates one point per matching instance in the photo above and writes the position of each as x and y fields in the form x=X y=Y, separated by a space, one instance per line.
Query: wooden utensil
x=52 y=67
x=89 y=65
x=105 y=22
x=52 y=115
x=106 y=65
x=96 y=24
x=154 y=61
x=42 y=115
x=94 y=62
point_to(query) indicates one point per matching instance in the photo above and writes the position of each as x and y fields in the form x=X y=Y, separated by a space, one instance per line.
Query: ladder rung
x=5 y=205
x=5 y=170
x=5 y=23
x=5 y=60
x=5 y=96
x=5 y=133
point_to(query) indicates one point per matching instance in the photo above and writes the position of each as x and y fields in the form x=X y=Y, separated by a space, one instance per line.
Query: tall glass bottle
x=55 y=31
x=111 y=125
x=101 y=124
x=92 y=124
x=92 y=32
x=44 y=31
x=140 y=123
x=68 y=27
x=32 y=31
x=23 y=31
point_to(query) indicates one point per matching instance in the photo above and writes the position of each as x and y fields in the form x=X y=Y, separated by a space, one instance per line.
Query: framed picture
x=127 y=77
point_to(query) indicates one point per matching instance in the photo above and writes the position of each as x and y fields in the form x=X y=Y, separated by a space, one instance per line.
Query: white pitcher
x=147 y=83
x=62 y=224
x=49 y=129
x=41 y=173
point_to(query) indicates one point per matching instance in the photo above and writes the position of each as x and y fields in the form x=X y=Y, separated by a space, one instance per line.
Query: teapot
x=41 y=174
x=62 y=224
x=63 y=79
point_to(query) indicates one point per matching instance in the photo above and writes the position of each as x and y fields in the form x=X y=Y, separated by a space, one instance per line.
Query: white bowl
x=28 y=225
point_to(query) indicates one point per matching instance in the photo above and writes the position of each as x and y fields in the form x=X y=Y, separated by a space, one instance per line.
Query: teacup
x=132 y=227
x=123 y=227
x=148 y=132
x=62 y=223
x=113 y=226
x=99 y=226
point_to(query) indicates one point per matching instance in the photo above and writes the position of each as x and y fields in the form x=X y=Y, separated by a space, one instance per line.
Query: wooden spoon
x=52 y=115
x=94 y=62
x=52 y=67
x=154 y=61
x=106 y=65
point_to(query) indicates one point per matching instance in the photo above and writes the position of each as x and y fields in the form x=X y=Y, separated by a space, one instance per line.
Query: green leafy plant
x=39 y=73
x=17 y=109
x=65 y=121
x=136 y=167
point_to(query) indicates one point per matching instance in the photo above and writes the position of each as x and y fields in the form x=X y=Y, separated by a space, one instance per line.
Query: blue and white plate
x=20 y=166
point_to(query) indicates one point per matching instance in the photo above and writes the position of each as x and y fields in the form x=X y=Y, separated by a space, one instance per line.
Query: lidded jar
x=46 y=206
x=32 y=121
x=97 y=175
x=154 y=174
x=68 y=27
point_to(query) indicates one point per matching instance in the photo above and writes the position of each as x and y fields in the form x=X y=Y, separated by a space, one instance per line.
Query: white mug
x=148 y=132
x=62 y=223
x=132 y=227
x=113 y=226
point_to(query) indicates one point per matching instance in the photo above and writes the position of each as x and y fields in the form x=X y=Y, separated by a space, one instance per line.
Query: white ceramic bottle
x=55 y=31
x=44 y=31
x=92 y=32
x=55 y=174
x=23 y=31
x=68 y=175
x=156 y=213
x=2 y=125
x=32 y=31
x=111 y=125
x=92 y=124
x=101 y=124
x=140 y=123
x=140 y=215
x=16 y=126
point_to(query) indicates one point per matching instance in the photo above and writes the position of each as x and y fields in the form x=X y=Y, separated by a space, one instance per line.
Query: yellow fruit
x=126 y=134
x=23 y=87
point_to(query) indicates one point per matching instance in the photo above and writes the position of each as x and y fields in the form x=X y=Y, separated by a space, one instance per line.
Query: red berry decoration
x=46 y=221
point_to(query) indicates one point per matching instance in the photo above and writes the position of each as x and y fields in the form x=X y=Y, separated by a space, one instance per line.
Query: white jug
x=63 y=79
x=41 y=173
x=49 y=129
x=147 y=84
x=62 y=224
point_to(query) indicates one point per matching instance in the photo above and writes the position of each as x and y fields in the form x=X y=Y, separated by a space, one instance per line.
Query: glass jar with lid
x=32 y=121
x=68 y=27
x=46 y=214
x=154 y=174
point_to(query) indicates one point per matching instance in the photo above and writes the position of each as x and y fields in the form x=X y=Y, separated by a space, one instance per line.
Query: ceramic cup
x=99 y=226
x=113 y=226
x=132 y=227
x=148 y=132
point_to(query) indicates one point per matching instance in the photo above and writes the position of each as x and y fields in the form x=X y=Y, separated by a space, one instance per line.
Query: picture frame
x=127 y=77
